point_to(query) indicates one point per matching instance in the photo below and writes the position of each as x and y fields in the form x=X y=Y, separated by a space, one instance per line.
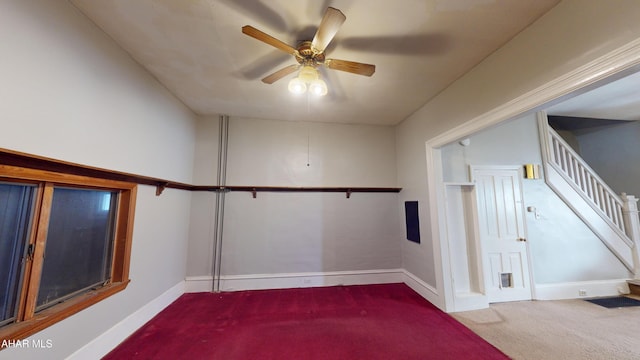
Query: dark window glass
x=77 y=256
x=16 y=202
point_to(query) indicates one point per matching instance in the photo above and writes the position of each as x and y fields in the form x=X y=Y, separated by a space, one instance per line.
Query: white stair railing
x=606 y=213
x=630 y=213
x=612 y=217
x=566 y=161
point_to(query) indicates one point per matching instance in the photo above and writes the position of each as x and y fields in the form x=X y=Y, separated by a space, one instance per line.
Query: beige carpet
x=564 y=329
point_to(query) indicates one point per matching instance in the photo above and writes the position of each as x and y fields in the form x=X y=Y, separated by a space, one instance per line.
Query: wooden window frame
x=28 y=321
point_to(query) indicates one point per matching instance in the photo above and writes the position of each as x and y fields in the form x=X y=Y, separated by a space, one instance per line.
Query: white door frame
x=616 y=62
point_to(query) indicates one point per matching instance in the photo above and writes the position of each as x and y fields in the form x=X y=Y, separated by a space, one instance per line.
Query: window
x=65 y=242
x=15 y=209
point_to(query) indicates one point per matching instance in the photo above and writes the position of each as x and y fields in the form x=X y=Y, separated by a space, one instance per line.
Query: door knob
x=521 y=239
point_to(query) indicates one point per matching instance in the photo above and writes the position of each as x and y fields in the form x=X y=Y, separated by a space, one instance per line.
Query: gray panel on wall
x=412 y=221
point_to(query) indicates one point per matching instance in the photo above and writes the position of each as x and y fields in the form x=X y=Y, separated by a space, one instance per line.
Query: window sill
x=56 y=313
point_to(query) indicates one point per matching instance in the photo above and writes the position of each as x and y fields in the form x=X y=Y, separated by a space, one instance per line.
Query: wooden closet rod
x=15 y=158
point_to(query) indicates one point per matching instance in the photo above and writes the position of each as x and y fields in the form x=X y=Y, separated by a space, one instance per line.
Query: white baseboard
x=573 y=290
x=469 y=302
x=295 y=280
x=425 y=290
x=108 y=340
x=198 y=284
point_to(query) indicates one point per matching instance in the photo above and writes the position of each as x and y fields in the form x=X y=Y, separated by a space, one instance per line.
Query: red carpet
x=388 y=321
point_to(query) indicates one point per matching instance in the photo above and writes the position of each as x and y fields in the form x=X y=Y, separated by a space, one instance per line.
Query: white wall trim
x=108 y=340
x=198 y=284
x=571 y=290
x=442 y=265
x=425 y=290
x=298 y=280
x=311 y=279
x=470 y=301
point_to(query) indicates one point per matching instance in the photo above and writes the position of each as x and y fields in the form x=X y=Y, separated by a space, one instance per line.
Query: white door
x=501 y=227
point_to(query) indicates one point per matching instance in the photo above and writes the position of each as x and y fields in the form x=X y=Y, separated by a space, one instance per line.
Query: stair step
x=634 y=286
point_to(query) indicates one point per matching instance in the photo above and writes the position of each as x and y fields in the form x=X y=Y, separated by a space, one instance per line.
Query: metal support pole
x=218 y=227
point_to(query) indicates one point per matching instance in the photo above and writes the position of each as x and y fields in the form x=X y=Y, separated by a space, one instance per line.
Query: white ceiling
x=615 y=100
x=197 y=50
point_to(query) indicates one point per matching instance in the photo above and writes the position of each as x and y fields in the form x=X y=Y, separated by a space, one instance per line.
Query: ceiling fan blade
x=351 y=66
x=268 y=39
x=280 y=74
x=329 y=26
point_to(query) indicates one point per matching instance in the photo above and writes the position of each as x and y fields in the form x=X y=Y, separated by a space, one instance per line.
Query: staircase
x=634 y=287
x=612 y=217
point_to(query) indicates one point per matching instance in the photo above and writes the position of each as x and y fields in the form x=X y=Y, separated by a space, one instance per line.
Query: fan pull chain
x=308 y=113
x=308 y=146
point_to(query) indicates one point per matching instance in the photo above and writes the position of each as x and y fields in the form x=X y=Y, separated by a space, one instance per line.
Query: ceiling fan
x=310 y=54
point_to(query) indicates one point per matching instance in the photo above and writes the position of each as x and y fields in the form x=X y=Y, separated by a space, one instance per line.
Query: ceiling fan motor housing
x=308 y=55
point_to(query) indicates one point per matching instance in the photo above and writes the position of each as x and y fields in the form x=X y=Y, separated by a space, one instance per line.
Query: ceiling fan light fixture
x=308 y=79
x=297 y=86
x=318 y=87
x=308 y=74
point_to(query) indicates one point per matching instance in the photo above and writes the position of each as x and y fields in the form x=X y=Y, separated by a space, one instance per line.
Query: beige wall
x=280 y=233
x=267 y=152
x=68 y=92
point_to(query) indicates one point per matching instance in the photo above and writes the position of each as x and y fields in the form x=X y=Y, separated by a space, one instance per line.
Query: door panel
x=501 y=227
x=515 y=267
x=495 y=265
